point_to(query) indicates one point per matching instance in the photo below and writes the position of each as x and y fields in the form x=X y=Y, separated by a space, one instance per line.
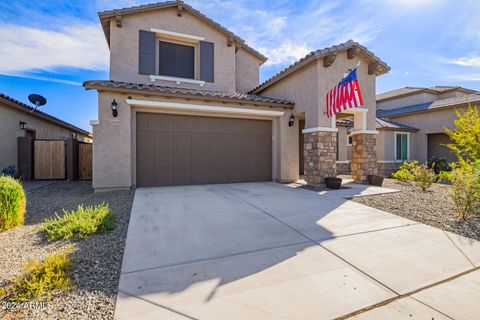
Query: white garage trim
x=203 y=108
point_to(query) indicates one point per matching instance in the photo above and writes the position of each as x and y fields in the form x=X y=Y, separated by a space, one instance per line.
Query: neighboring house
x=183 y=105
x=421 y=114
x=18 y=120
x=411 y=122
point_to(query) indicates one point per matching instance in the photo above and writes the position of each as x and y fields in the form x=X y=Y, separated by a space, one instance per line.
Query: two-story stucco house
x=183 y=105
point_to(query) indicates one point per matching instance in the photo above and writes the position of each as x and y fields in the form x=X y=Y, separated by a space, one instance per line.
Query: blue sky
x=51 y=47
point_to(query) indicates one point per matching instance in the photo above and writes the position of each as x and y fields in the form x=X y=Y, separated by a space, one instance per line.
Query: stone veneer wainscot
x=319 y=156
x=364 y=156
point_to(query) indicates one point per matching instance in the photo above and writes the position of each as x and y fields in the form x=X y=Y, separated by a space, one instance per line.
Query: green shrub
x=465 y=191
x=406 y=172
x=12 y=203
x=40 y=278
x=81 y=222
x=424 y=177
x=439 y=165
x=466 y=135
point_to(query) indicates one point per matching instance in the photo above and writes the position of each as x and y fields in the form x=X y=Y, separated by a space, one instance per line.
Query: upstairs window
x=402 y=146
x=176 y=60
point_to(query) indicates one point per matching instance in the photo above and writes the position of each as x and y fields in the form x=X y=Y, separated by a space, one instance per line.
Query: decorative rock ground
x=98 y=259
x=433 y=207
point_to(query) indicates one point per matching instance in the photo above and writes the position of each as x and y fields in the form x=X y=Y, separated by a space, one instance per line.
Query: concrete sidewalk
x=268 y=251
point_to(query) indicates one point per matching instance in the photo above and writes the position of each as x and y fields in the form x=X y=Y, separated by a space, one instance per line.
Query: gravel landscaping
x=98 y=259
x=433 y=207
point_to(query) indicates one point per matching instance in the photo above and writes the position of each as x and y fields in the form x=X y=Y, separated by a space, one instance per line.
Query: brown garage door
x=182 y=150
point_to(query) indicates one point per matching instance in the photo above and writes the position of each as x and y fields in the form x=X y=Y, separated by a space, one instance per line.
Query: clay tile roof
x=391 y=125
x=106 y=15
x=188 y=93
x=427 y=106
x=384 y=68
x=398 y=92
x=412 y=90
x=24 y=107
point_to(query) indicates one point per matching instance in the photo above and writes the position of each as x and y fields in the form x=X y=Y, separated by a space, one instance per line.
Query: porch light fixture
x=23 y=125
x=291 y=121
x=114 y=108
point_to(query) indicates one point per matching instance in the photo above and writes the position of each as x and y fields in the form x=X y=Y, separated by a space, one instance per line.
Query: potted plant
x=333 y=182
x=375 y=180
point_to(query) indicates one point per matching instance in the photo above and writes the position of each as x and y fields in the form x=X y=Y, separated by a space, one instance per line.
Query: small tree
x=466 y=137
x=425 y=177
x=465 y=190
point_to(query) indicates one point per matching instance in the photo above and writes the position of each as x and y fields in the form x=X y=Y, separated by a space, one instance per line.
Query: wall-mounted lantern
x=291 y=121
x=23 y=125
x=114 y=108
x=74 y=135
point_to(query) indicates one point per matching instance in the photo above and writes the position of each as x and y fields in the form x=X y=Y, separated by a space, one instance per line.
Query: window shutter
x=146 y=56
x=206 y=61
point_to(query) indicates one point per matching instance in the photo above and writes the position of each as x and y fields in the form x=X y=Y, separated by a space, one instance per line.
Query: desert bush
x=424 y=177
x=406 y=172
x=81 y=222
x=40 y=278
x=465 y=191
x=12 y=203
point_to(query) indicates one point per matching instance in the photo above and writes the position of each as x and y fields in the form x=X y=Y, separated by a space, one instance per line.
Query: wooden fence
x=49 y=159
x=85 y=161
x=54 y=159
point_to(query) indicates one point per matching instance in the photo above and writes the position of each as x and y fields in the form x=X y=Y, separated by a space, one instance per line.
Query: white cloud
x=48 y=79
x=466 y=61
x=285 y=53
x=26 y=49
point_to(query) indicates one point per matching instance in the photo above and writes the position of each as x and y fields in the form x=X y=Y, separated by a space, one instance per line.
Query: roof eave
x=462 y=104
x=399 y=129
x=314 y=56
x=45 y=117
x=189 y=96
x=105 y=17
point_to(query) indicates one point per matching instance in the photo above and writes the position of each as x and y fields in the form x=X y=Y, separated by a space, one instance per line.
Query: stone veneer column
x=319 y=152
x=364 y=156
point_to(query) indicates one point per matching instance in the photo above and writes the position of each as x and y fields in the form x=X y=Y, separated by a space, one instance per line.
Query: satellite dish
x=37 y=100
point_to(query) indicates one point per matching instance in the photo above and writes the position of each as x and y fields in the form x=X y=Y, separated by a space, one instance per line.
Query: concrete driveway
x=268 y=251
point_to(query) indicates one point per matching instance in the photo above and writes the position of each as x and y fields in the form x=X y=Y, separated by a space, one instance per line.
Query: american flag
x=346 y=94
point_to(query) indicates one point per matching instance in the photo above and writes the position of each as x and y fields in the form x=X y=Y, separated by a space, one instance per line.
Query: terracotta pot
x=375 y=180
x=333 y=183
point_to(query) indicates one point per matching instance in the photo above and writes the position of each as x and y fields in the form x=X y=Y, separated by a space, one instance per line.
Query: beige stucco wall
x=124 y=47
x=308 y=87
x=452 y=94
x=114 y=147
x=246 y=71
x=301 y=87
x=342 y=144
x=10 y=131
x=409 y=100
x=428 y=122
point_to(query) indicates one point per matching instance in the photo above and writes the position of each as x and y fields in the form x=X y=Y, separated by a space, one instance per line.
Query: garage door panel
x=200 y=150
x=200 y=158
x=183 y=158
x=162 y=122
x=143 y=121
x=145 y=157
x=218 y=158
x=164 y=158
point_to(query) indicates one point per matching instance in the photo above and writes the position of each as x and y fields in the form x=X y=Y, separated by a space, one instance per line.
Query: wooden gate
x=49 y=159
x=85 y=161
